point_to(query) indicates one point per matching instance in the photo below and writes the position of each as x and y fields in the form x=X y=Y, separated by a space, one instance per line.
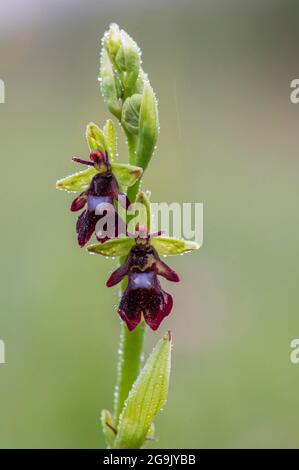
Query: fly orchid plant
x=106 y=188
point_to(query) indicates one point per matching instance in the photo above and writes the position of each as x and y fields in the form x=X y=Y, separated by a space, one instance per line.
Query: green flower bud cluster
x=128 y=93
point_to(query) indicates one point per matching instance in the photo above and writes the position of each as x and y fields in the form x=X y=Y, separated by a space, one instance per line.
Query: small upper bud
x=124 y=55
x=127 y=60
x=112 y=40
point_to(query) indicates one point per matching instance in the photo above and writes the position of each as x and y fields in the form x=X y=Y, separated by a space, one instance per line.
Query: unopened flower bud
x=110 y=87
x=112 y=40
x=127 y=61
x=130 y=113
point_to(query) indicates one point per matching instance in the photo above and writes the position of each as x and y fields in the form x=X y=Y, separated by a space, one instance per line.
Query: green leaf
x=109 y=86
x=110 y=140
x=126 y=174
x=77 y=182
x=148 y=126
x=115 y=247
x=130 y=113
x=95 y=137
x=172 y=246
x=146 y=398
x=108 y=428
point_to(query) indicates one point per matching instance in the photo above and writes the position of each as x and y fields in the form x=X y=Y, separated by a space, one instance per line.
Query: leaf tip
x=168 y=336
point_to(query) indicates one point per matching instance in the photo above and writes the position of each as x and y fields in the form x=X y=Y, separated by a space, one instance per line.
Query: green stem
x=132 y=144
x=129 y=363
x=130 y=352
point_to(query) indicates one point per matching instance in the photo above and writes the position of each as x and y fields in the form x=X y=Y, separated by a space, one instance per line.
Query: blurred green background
x=229 y=138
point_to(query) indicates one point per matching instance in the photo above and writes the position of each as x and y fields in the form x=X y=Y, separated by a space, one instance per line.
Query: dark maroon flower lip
x=103 y=189
x=143 y=294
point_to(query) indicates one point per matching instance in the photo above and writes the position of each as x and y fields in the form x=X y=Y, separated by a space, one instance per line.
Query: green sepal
x=109 y=430
x=173 y=246
x=146 y=398
x=77 y=182
x=126 y=174
x=95 y=137
x=110 y=140
x=116 y=247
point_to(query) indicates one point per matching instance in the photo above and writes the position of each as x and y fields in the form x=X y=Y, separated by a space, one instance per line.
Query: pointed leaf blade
x=146 y=398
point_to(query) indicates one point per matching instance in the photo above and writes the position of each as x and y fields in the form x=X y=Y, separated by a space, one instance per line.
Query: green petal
x=146 y=398
x=110 y=140
x=173 y=246
x=95 y=137
x=126 y=174
x=78 y=182
x=115 y=247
